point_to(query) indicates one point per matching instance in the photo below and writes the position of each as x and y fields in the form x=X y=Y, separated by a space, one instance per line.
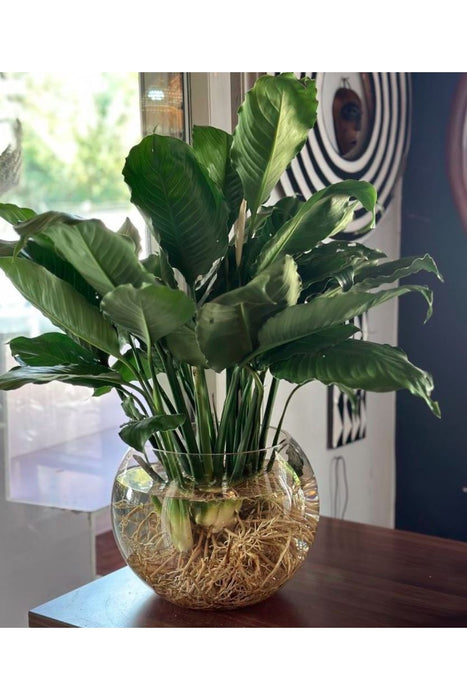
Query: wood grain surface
x=354 y=576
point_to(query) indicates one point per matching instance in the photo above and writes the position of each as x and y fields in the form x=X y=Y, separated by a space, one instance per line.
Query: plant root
x=238 y=566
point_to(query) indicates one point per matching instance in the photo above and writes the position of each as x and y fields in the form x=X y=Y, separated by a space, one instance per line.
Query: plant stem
x=228 y=411
x=171 y=463
x=181 y=407
x=268 y=412
x=204 y=420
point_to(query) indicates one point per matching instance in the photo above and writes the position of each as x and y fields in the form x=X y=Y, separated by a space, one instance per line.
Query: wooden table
x=354 y=576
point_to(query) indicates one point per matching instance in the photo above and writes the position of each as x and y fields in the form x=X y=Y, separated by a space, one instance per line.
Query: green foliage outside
x=75 y=136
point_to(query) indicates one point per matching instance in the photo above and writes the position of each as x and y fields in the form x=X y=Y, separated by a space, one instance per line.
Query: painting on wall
x=346 y=418
x=362 y=133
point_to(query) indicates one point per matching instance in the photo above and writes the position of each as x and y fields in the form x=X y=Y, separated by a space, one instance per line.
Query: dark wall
x=431 y=454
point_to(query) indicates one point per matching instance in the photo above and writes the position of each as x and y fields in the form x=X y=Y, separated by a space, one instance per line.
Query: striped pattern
x=382 y=159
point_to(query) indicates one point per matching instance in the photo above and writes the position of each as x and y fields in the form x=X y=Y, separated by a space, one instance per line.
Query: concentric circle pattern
x=383 y=140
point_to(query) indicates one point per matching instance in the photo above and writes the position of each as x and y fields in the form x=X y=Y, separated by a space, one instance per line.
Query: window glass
x=163 y=104
x=63 y=142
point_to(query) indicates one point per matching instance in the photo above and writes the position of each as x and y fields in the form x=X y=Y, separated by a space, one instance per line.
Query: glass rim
x=283 y=435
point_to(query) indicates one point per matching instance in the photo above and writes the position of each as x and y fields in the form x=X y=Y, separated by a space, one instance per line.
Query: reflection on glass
x=162 y=104
x=64 y=138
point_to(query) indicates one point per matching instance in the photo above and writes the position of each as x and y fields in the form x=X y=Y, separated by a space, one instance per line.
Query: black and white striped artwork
x=347 y=422
x=384 y=104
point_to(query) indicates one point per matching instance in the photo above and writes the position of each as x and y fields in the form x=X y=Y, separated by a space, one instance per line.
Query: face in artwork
x=347 y=117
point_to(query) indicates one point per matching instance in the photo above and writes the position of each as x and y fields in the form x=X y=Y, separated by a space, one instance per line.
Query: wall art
x=362 y=132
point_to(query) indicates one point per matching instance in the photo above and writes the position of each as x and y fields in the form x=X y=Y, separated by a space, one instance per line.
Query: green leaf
x=7 y=249
x=50 y=349
x=326 y=261
x=137 y=433
x=14 y=214
x=61 y=304
x=150 y=312
x=273 y=125
x=158 y=265
x=82 y=375
x=223 y=335
x=103 y=258
x=369 y=276
x=130 y=409
x=292 y=352
x=42 y=251
x=271 y=219
x=212 y=148
x=359 y=364
x=299 y=321
x=187 y=211
x=326 y=213
x=228 y=326
x=129 y=230
x=183 y=345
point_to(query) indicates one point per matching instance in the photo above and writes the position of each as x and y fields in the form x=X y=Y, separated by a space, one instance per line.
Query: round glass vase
x=223 y=546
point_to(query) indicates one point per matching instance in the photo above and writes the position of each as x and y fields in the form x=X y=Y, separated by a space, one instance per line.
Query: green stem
x=281 y=420
x=228 y=413
x=186 y=428
x=139 y=371
x=204 y=420
x=268 y=412
x=279 y=426
x=171 y=463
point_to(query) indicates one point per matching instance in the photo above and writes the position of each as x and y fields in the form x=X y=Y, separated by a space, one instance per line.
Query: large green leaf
x=61 y=304
x=273 y=125
x=228 y=326
x=212 y=148
x=42 y=251
x=50 y=349
x=137 y=433
x=299 y=321
x=103 y=258
x=91 y=376
x=359 y=364
x=150 y=312
x=326 y=213
x=174 y=192
x=223 y=335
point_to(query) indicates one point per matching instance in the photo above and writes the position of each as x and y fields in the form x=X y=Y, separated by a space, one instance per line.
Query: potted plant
x=212 y=506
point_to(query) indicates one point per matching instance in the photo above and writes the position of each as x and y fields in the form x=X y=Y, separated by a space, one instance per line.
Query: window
x=63 y=141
